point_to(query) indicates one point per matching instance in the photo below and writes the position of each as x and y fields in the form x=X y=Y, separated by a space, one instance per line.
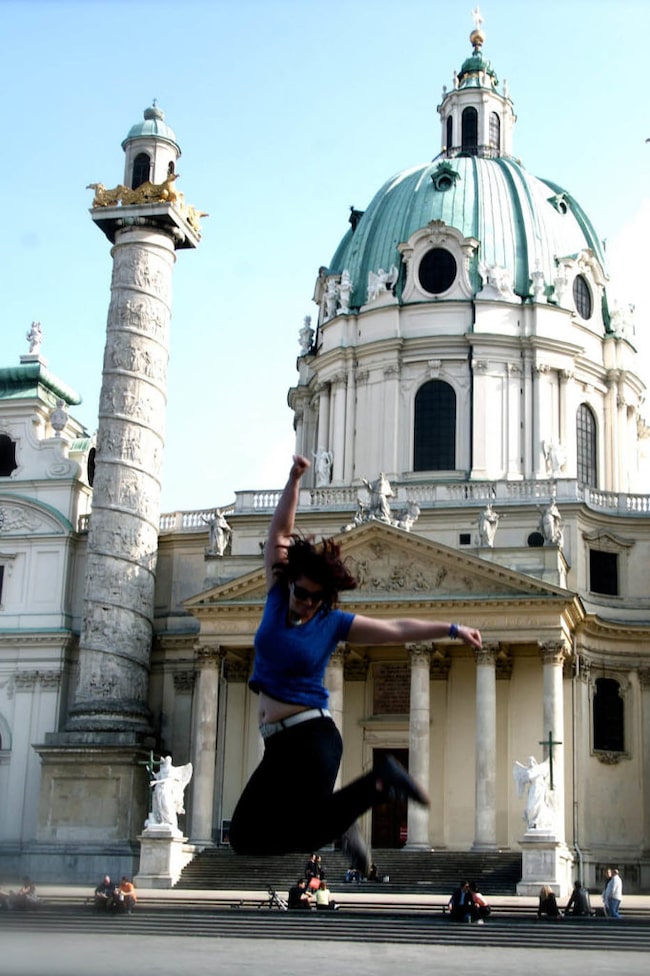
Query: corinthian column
x=204 y=743
x=486 y=718
x=334 y=682
x=419 y=720
x=554 y=654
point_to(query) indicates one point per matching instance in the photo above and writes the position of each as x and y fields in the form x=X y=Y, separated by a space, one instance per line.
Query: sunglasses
x=307 y=596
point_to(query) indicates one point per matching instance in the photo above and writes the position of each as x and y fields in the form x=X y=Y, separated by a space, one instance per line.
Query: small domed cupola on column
x=151 y=150
x=477 y=119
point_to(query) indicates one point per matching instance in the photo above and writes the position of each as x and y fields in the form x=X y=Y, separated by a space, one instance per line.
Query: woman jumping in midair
x=289 y=804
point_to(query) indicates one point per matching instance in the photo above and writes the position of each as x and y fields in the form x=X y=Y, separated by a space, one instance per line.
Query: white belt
x=267 y=729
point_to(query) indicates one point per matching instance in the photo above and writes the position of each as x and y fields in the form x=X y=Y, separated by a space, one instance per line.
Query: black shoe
x=354 y=846
x=397 y=784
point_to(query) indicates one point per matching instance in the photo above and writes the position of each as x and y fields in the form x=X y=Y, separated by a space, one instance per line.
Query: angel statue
x=168 y=787
x=539 y=813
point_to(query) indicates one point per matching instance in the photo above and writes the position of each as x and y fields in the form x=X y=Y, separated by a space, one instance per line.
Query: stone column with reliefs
x=419 y=732
x=485 y=831
x=123 y=534
x=204 y=743
x=94 y=764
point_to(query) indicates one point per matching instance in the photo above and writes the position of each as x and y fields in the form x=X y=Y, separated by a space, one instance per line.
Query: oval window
x=437 y=271
x=582 y=297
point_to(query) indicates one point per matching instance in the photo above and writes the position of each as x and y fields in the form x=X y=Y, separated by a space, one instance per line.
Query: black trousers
x=288 y=805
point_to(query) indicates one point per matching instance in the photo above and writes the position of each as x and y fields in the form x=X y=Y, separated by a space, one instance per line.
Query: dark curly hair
x=320 y=562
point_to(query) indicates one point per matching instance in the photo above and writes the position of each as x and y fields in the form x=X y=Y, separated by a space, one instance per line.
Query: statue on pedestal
x=168 y=787
x=540 y=812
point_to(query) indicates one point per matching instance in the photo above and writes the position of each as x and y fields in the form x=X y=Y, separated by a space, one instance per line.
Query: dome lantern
x=477 y=119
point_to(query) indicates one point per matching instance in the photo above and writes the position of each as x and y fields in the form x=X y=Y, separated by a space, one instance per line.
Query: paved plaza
x=53 y=954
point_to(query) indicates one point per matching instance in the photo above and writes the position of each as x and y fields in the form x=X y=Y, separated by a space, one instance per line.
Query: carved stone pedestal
x=92 y=802
x=545 y=861
x=164 y=852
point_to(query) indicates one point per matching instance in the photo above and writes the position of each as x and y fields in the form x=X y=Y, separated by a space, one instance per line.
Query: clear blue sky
x=287 y=113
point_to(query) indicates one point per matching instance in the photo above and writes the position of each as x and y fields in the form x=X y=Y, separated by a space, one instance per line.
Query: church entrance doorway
x=390 y=820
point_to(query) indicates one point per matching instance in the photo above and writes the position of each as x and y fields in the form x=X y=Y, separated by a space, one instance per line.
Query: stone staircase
x=425 y=872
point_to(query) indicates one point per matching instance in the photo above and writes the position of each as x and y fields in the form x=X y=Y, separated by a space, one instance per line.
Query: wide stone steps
x=427 y=872
x=364 y=925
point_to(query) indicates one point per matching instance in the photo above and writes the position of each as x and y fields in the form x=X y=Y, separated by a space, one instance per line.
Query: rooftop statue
x=220 y=533
x=323 y=466
x=34 y=337
x=488 y=522
x=550 y=525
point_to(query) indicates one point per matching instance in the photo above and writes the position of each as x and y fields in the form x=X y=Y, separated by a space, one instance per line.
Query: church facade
x=471 y=401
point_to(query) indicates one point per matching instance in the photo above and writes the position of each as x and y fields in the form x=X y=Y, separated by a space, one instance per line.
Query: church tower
x=147 y=221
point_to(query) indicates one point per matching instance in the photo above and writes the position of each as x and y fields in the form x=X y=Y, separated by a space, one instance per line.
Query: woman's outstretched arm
x=282 y=523
x=368 y=630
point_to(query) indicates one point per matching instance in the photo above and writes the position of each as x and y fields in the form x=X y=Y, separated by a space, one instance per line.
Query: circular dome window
x=582 y=297
x=437 y=271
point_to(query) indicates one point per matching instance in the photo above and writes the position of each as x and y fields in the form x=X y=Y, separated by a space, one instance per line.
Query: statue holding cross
x=540 y=807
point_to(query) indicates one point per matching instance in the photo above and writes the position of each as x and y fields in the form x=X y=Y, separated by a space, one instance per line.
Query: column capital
x=554 y=652
x=340 y=653
x=487 y=655
x=208 y=655
x=420 y=652
x=644 y=677
x=356 y=669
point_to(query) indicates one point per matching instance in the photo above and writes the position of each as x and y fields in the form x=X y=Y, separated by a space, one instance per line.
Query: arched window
x=435 y=428
x=469 y=137
x=450 y=132
x=141 y=170
x=7 y=456
x=609 y=715
x=495 y=131
x=586 y=447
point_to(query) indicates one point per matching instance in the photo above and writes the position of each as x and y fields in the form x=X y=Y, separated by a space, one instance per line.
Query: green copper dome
x=152 y=126
x=522 y=223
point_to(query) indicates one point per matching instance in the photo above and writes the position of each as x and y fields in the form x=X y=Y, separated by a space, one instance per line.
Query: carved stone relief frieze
x=120 y=633
x=19 y=519
x=139 y=268
x=128 y=353
x=376 y=568
x=131 y=401
x=135 y=541
x=111 y=581
x=144 y=314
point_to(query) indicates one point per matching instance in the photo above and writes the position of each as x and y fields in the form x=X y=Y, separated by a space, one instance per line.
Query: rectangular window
x=2 y=577
x=603 y=572
x=465 y=539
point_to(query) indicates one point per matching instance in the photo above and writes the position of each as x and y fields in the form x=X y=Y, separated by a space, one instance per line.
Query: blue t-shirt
x=290 y=661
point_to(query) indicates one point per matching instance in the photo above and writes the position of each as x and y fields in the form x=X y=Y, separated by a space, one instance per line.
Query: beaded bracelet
x=453 y=631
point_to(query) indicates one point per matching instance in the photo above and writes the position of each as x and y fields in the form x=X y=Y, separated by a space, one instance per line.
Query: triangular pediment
x=392 y=565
